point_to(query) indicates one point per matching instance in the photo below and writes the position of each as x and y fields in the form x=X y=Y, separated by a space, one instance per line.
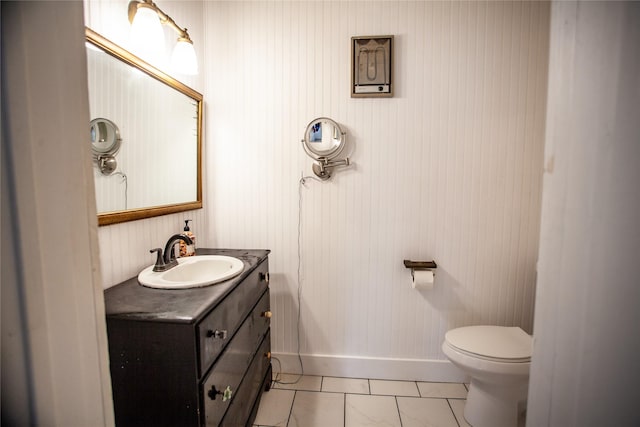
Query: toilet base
x=491 y=406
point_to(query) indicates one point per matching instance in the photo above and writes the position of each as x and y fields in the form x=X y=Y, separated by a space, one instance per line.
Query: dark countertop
x=130 y=300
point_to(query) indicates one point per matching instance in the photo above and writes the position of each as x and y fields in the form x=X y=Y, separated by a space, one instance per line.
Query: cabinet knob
x=267 y=355
x=264 y=277
x=226 y=393
x=266 y=314
x=222 y=334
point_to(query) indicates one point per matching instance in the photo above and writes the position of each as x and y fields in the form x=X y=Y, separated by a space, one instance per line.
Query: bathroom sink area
x=172 y=350
x=193 y=272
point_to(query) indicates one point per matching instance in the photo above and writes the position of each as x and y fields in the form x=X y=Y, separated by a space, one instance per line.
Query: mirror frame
x=132 y=60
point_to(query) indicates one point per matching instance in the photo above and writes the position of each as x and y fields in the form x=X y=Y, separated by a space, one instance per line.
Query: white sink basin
x=193 y=272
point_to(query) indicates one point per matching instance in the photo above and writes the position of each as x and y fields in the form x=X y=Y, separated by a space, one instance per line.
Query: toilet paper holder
x=419 y=265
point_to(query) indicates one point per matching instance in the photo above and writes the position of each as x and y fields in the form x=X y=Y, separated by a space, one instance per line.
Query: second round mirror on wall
x=323 y=138
x=105 y=144
x=323 y=141
x=105 y=137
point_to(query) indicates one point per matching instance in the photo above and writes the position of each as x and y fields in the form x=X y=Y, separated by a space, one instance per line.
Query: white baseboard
x=369 y=367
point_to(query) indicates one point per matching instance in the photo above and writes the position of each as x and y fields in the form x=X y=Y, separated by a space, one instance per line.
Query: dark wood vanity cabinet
x=175 y=355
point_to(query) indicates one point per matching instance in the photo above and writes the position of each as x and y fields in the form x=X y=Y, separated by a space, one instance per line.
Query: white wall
x=449 y=169
x=124 y=248
x=585 y=364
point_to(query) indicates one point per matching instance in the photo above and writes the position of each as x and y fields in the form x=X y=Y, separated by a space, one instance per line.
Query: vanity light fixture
x=146 y=20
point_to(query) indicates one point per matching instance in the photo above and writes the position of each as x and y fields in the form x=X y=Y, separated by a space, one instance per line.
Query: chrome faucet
x=167 y=260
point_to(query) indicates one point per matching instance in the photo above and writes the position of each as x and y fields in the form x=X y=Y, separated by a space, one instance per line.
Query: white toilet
x=497 y=358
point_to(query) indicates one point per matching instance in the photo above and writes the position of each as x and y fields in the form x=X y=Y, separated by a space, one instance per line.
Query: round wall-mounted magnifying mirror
x=323 y=139
x=105 y=137
x=105 y=143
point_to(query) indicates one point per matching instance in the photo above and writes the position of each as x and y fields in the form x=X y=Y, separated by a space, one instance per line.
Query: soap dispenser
x=188 y=250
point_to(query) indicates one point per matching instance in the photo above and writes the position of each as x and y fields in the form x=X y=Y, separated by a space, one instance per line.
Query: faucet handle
x=159 y=265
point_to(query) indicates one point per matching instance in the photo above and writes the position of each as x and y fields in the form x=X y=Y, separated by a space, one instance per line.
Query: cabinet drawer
x=244 y=401
x=228 y=371
x=260 y=319
x=217 y=329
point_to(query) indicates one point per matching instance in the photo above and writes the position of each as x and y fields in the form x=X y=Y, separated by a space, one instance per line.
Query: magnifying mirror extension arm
x=325 y=163
x=322 y=168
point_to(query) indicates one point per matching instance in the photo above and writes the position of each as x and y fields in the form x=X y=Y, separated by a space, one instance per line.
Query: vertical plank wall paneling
x=124 y=248
x=448 y=169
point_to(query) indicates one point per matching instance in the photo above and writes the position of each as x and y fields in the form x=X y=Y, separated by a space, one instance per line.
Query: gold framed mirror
x=159 y=165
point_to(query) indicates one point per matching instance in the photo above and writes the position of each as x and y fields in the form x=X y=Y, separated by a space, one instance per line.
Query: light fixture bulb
x=146 y=31
x=183 y=58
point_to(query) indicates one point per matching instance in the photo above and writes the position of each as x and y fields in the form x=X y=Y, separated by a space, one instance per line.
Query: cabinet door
x=153 y=373
x=217 y=329
x=227 y=373
x=245 y=400
x=260 y=318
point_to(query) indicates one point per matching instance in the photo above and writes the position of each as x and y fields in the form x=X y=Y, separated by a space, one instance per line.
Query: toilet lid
x=495 y=342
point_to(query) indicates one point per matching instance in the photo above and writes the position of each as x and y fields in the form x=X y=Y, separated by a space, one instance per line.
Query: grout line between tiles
x=344 y=412
x=398 y=409
x=293 y=401
x=327 y=392
x=453 y=412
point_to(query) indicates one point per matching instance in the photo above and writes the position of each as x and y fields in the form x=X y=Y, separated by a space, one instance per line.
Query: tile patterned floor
x=315 y=401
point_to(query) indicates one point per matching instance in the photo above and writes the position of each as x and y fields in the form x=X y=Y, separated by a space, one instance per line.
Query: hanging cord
x=301 y=184
x=126 y=186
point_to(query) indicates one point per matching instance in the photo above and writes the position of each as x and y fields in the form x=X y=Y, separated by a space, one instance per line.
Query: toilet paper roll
x=422 y=279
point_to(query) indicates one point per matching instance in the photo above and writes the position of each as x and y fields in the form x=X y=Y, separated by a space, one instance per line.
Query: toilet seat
x=495 y=343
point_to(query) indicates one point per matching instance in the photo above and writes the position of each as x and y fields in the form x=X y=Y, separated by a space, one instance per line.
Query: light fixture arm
x=164 y=18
